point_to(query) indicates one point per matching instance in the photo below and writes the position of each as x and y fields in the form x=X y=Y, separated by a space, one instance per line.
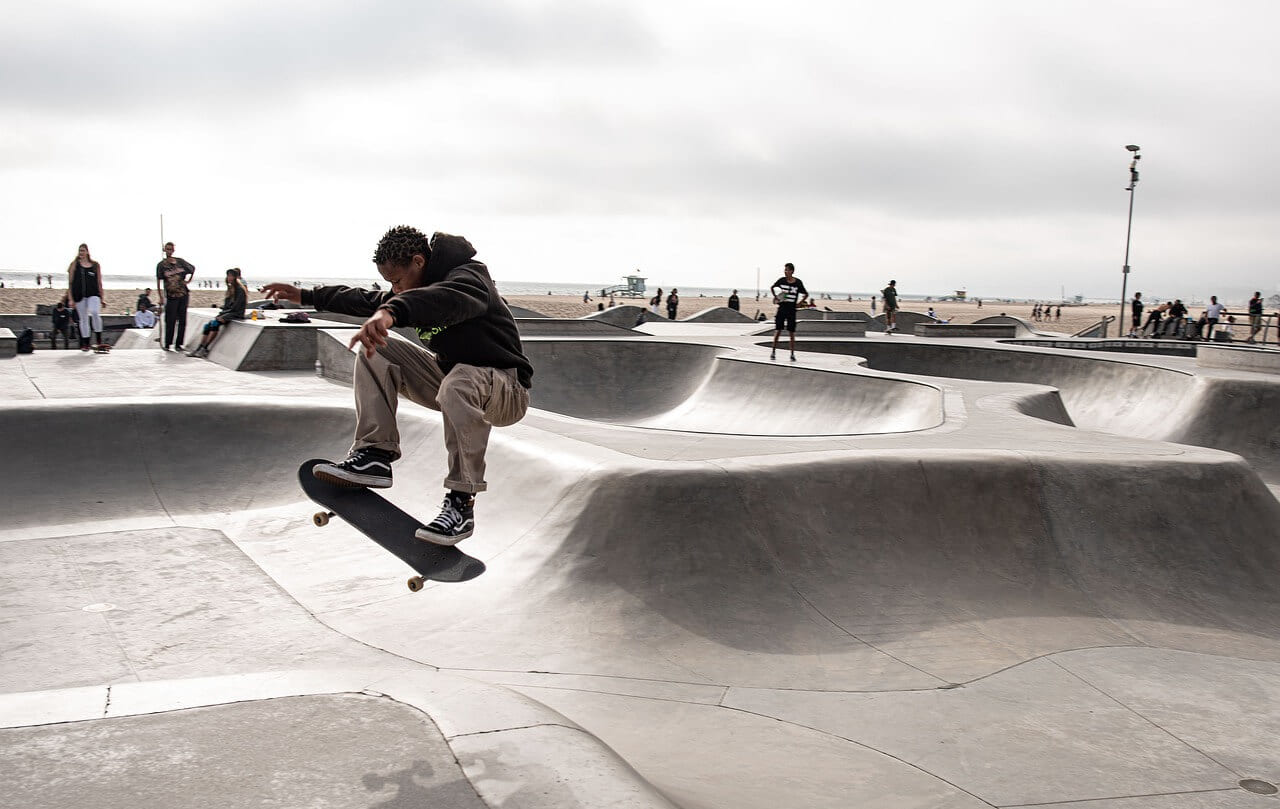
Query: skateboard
x=101 y=348
x=380 y=520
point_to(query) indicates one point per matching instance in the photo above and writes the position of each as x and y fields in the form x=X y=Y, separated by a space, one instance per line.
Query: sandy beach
x=1074 y=318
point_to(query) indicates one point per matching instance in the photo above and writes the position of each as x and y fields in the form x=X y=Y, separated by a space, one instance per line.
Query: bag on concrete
x=26 y=341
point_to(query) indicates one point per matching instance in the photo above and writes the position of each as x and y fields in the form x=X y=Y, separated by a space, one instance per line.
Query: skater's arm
x=460 y=296
x=282 y=292
x=344 y=300
x=373 y=333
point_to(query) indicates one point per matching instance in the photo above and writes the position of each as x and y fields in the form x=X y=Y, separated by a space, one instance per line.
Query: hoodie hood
x=447 y=251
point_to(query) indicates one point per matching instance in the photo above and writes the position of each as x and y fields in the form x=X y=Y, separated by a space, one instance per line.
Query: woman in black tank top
x=85 y=288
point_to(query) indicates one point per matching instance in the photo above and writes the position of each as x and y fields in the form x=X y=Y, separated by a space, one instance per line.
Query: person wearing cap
x=890 y=294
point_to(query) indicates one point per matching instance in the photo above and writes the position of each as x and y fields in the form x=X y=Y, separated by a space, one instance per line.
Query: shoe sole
x=337 y=477
x=440 y=539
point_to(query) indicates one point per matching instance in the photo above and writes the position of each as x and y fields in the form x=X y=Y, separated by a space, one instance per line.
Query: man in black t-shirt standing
x=787 y=291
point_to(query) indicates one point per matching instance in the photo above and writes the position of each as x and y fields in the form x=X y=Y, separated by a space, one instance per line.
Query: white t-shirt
x=144 y=319
x=1215 y=311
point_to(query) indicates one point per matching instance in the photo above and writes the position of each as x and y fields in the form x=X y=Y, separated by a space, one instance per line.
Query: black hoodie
x=457 y=312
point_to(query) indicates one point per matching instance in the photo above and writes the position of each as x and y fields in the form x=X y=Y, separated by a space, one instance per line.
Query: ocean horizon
x=27 y=280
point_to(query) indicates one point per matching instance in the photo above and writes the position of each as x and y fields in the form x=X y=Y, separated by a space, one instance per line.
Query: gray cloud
x=95 y=61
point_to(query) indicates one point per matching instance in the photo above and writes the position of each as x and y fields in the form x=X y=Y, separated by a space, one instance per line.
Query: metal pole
x=1124 y=286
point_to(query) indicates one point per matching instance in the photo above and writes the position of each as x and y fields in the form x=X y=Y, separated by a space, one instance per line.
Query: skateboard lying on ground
x=389 y=526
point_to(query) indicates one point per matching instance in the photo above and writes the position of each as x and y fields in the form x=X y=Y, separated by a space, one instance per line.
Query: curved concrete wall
x=676 y=386
x=77 y=461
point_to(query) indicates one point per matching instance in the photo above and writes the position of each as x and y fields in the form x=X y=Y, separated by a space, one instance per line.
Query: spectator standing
x=890 y=294
x=655 y=301
x=1213 y=313
x=673 y=303
x=788 y=292
x=84 y=287
x=734 y=303
x=1136 y=308
x=1255 y=316
x=173 y=275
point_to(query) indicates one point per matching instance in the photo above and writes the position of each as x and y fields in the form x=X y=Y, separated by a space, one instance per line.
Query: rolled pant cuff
x=469 y=488
x=385 y=446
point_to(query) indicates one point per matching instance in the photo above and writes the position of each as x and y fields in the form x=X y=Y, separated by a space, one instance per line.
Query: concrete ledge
x=989 y=330
x=823 y=328
x=1240 y=358
x=1175 y=348
x=8 y=343
x=568 y=327
x=265 y=344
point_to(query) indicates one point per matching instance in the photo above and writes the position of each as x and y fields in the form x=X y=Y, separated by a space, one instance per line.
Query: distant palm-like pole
x=1133 y=183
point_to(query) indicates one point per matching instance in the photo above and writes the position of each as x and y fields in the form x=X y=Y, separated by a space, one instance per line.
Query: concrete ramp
x=686 y=387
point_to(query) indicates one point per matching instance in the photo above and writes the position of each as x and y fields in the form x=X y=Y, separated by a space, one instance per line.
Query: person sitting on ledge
x=233 y=307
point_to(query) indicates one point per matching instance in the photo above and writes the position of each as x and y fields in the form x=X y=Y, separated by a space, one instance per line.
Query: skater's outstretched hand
x=282 y=292
x=373 y=333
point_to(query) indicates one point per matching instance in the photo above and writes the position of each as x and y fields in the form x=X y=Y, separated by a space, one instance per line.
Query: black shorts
x=785 y=318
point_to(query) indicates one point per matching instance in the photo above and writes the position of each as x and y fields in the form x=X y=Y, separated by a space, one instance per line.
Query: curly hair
x=400 y=244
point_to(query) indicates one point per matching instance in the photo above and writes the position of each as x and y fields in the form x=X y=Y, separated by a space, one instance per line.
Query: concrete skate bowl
x=1109 y=395
x=864 y=570
x=704 y=389
x=91 y=462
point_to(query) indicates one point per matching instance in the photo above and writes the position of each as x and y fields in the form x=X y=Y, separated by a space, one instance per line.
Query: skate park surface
x=897 y=572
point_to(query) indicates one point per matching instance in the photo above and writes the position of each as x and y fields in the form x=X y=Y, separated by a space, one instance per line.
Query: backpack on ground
x=26 y=341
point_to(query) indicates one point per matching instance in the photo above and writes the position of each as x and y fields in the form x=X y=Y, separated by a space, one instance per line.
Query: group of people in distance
x=1170 y=319
x=86 y=297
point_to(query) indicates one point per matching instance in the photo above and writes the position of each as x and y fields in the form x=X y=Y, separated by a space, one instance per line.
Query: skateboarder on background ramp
x=475 y=373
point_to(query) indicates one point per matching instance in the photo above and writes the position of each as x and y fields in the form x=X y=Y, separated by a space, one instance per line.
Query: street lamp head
x=1133 y=148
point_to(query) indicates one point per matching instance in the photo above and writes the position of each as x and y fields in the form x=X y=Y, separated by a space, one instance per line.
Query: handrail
x=1101 y=325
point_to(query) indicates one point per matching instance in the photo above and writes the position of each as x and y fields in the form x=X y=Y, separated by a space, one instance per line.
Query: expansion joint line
x=1146 y=719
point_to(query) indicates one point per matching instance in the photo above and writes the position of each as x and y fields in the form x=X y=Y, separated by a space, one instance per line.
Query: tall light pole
x=1133 y=183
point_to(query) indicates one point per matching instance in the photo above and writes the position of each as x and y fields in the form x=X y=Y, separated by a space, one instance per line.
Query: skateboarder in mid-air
x=475 y=373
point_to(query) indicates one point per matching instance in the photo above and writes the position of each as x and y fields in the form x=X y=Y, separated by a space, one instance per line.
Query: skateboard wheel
x=321 y=518
x=415 y=583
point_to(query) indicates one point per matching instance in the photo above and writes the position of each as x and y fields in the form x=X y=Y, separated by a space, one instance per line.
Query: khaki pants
x=471 y=399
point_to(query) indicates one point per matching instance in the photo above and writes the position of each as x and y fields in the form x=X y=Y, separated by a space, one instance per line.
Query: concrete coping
x=1240 y=358
x=8 y=343
x=991 y=330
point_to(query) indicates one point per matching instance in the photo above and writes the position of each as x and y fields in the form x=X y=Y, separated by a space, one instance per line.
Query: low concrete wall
x=989 y=330
x=569 y=327
x=718 y=314
x=260 y=345
x=1262 y=360
x=822 y=328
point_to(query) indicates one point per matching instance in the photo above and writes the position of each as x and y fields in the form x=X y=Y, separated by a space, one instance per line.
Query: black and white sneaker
x=455 y=522
x=368 y=466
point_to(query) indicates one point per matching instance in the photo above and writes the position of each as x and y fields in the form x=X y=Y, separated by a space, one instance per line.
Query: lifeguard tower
x=634 y=288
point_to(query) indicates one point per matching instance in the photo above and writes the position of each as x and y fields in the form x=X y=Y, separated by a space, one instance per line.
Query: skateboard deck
x=386 y=524
x=101 y=348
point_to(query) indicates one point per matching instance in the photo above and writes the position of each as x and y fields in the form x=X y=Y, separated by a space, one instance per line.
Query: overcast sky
x=949 y=145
